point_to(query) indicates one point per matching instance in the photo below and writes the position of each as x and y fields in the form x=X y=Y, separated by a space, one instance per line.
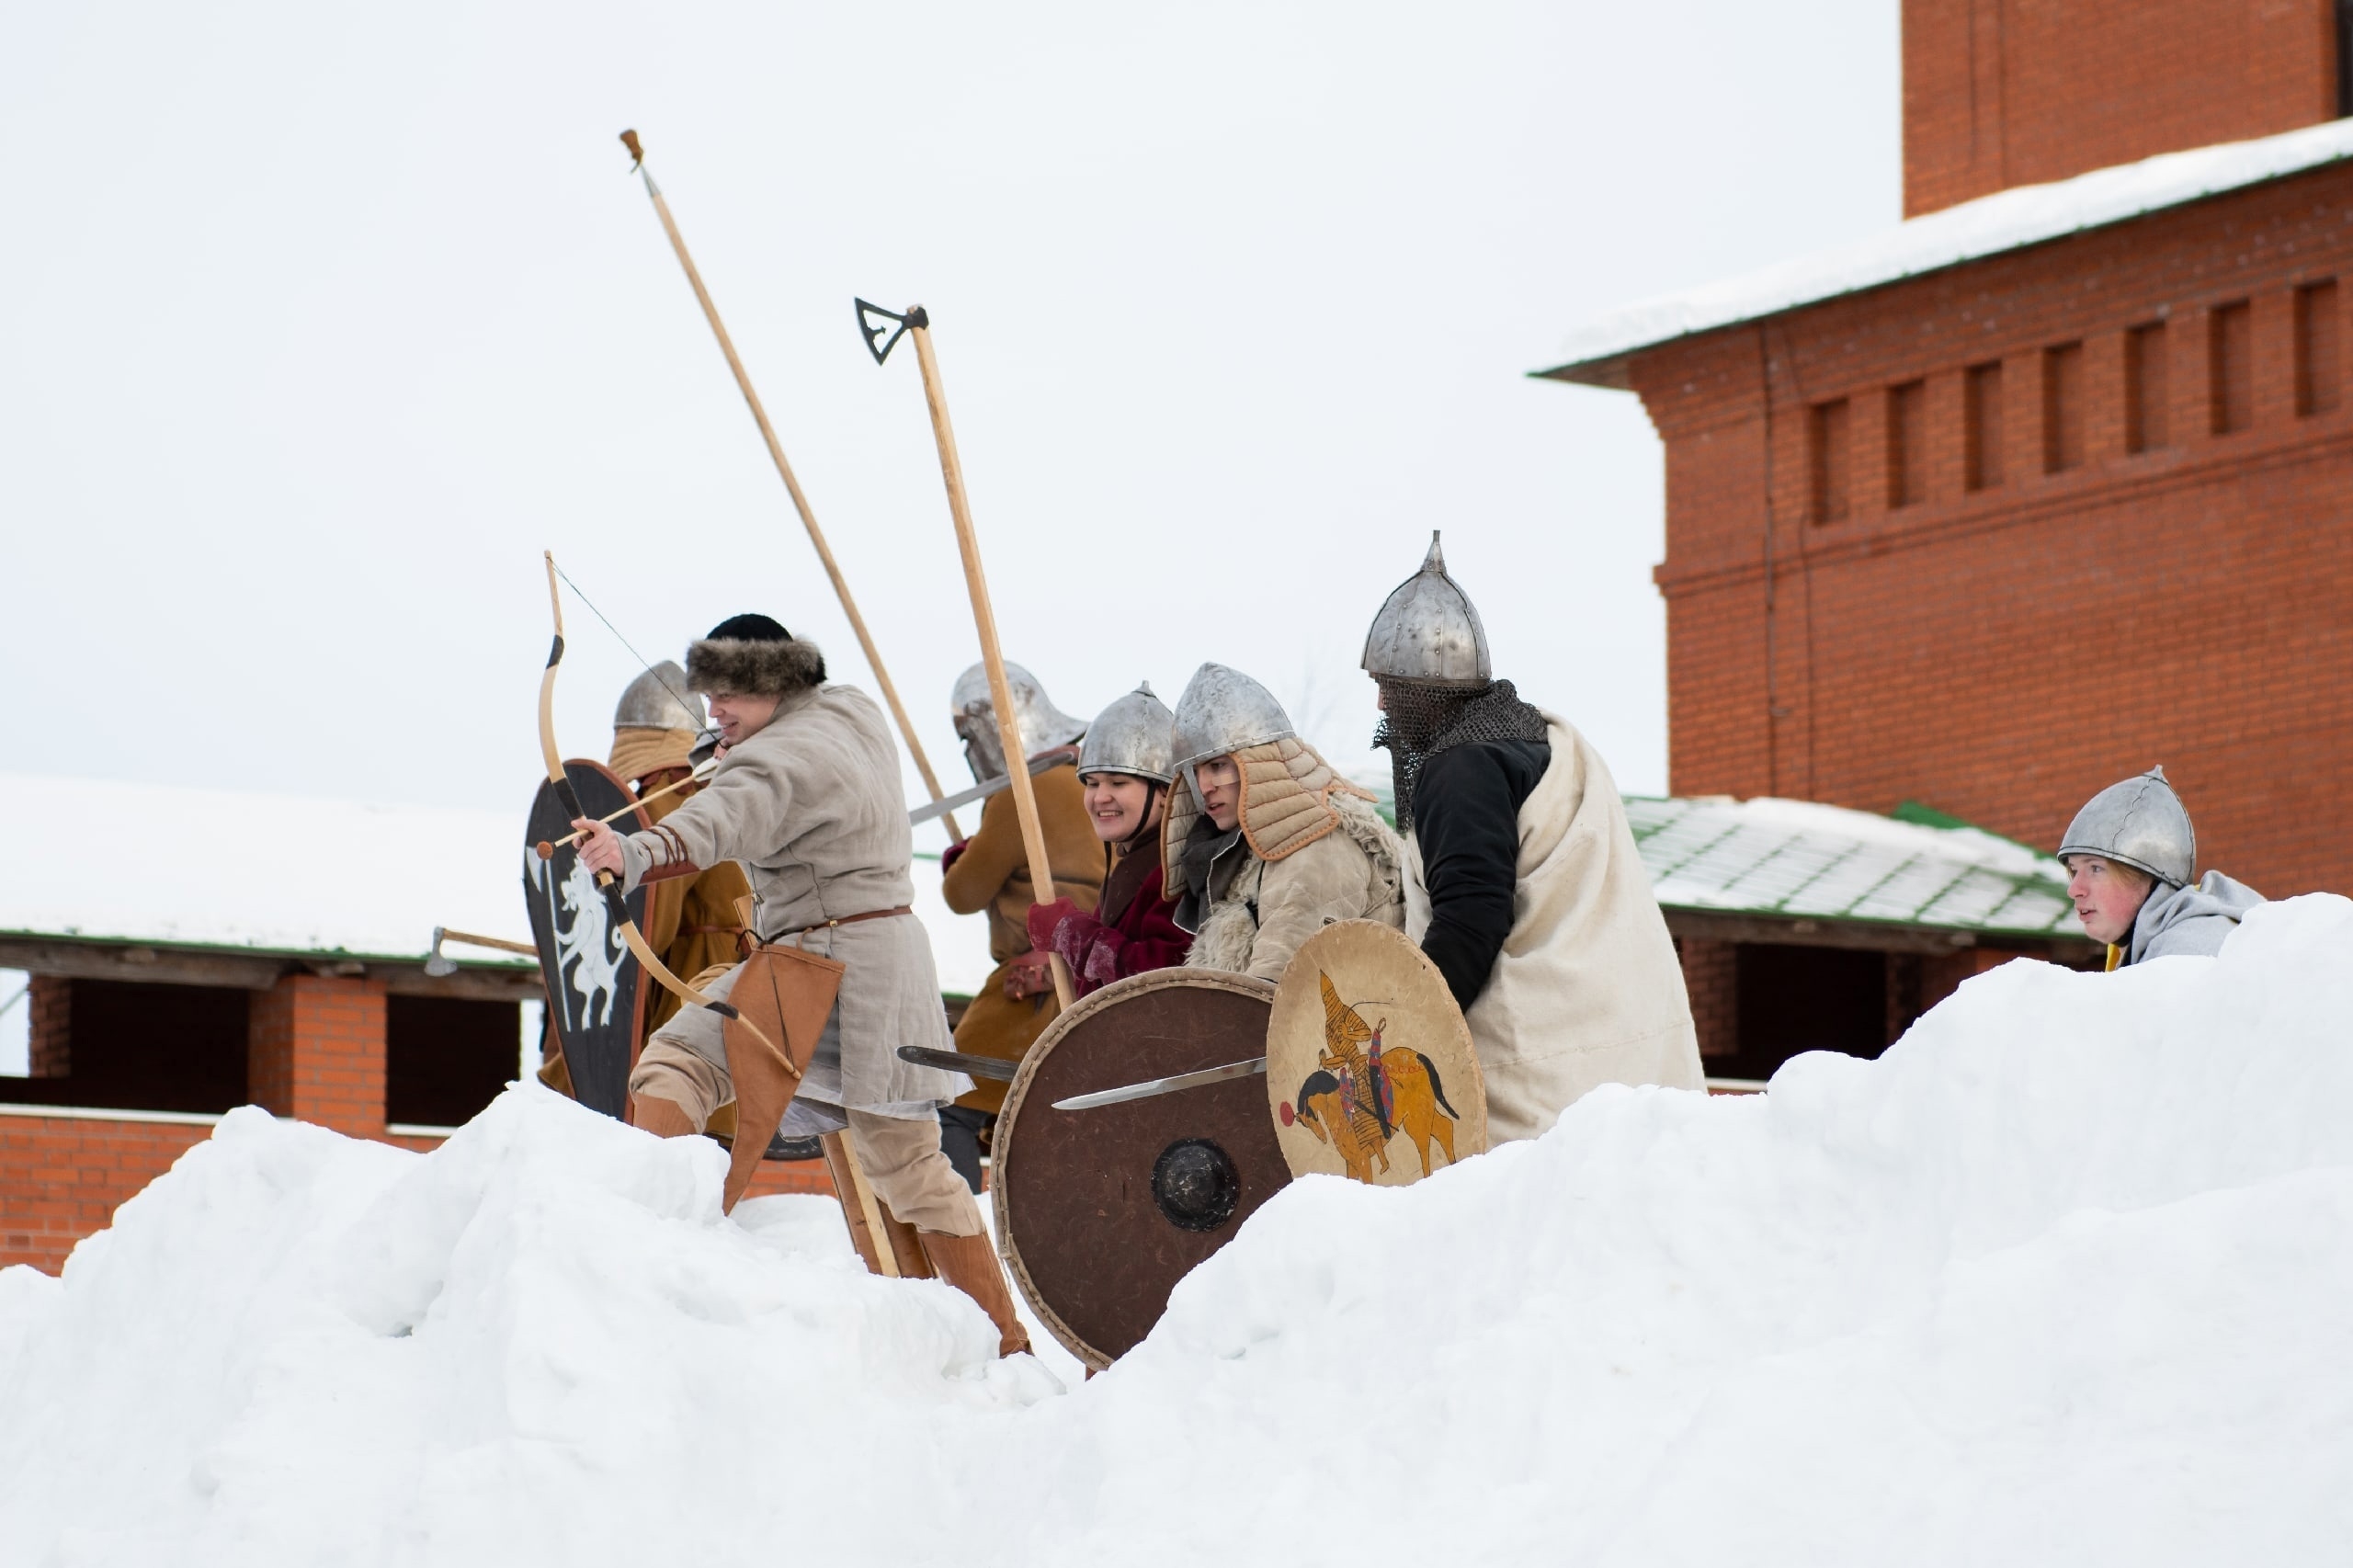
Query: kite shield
x=1100 y=1213
x=1369 y=1069
x=595 y=991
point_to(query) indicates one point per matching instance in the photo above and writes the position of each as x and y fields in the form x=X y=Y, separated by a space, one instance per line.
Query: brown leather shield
x=786 y=994
x=1370 y=1070
x=1100 y=1213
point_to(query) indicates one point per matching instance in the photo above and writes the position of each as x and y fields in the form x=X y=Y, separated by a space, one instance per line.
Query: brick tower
x=2047 y=485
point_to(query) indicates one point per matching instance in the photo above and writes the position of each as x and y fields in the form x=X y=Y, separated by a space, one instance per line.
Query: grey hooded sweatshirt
x=2197 y=919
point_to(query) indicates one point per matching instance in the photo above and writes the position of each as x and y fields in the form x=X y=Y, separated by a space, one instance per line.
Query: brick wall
x=2002 y=652
x=1711 y=979
x=50 y=1038
x=61 y=1177
x=2000 y=93
x=315 y=1051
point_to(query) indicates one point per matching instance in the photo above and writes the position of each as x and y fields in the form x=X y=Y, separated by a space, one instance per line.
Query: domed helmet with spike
x=1134 y=736
x=1042 y=724
x=2140 y=823
x=1427 y=631
x=1224 y=711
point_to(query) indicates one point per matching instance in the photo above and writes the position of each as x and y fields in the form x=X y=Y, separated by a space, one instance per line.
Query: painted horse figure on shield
x=1356 y=1086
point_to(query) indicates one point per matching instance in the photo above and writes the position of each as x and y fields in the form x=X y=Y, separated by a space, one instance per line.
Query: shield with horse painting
x=1370 y=1070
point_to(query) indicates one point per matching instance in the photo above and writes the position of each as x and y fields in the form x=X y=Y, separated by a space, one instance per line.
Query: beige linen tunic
x=1587 y=989
x=810 y=805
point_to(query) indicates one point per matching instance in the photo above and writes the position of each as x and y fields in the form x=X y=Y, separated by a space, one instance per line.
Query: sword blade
x=958 y=1062
x=1051 y=758
x=1144 y=1091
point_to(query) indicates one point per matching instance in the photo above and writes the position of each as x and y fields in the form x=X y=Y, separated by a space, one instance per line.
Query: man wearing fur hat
x=692 y=921
x=1265 y=845
x=807 y=796
x=2131 y=860
x=1523 y=884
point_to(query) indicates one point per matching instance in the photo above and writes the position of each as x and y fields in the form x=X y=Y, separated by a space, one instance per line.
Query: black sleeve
x=1466 y=819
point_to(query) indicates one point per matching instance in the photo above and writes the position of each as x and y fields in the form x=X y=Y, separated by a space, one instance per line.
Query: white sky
x=318 y=322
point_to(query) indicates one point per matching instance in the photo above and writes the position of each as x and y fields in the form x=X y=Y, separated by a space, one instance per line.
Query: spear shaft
x=792 y=485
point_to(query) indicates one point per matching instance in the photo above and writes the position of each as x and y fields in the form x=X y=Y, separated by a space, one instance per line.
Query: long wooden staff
x=792 y=485
x=879 y=340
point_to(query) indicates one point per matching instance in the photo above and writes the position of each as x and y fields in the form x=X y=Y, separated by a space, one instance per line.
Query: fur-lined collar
x=747 y=668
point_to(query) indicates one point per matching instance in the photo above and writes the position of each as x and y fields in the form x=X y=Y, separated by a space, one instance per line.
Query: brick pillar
x=314 y=1050
x=52 y=1028
x=1710 y=978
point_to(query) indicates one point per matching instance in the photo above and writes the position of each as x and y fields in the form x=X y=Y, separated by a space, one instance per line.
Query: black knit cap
x=749 y=628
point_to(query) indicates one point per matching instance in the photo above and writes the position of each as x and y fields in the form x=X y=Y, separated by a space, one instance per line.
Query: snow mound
x=2060 y=1278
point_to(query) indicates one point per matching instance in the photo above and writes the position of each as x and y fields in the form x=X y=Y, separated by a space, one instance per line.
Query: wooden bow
x=608 y=883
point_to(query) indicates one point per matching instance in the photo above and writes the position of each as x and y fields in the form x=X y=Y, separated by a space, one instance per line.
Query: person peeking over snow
x=2130 y=856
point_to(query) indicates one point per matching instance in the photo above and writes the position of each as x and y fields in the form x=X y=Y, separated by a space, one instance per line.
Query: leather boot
x=969 y=1264
x=663 y=1119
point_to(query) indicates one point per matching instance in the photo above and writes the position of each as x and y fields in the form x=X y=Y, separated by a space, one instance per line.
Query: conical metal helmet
x=2140 y=823
x=1224 y=710
x=1042 y=724
x=658 y=700
x=1135 y=736
x=1427 y=630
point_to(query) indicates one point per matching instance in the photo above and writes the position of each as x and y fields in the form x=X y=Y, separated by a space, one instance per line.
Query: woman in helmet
x=1265 y=845
x=1124 y=770
x=2131 y=860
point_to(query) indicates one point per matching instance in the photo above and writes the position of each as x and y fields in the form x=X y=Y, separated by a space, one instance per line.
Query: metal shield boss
x=1370 y=1073
x=595 y=991
x=1100 y=1213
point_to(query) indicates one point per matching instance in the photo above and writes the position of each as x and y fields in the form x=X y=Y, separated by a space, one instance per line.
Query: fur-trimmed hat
x=751 y=656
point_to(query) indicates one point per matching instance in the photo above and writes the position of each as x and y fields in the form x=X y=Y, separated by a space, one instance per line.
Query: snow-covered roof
x=1796 y=858
x=218 y=868
x=1596 y=353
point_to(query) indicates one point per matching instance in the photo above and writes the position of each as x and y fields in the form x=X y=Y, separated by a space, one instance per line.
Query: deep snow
x=2066 y=1278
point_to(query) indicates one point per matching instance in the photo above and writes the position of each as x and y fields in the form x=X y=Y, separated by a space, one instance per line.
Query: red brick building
x=2046 y=485
x=163 y=995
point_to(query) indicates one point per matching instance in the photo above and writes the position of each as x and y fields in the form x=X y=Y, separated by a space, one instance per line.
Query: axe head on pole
x=636 y=152
x=438 y=963
x=882 y=329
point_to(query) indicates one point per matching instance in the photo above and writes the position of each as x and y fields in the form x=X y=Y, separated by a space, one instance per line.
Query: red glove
x=947 y=856
x=1045 y=917
x=1032 y=974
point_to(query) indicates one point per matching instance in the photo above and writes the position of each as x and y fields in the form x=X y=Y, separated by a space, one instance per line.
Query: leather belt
x=848 y=920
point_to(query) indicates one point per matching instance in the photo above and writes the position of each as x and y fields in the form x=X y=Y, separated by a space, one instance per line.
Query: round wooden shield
x=1100 y=1212
x=1370 y=1070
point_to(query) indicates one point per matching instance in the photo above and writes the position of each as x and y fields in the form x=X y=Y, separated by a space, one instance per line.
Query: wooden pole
x=1009 y=727
x=792 y=485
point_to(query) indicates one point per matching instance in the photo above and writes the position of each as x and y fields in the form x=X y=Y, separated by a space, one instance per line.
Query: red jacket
x=1133 y=928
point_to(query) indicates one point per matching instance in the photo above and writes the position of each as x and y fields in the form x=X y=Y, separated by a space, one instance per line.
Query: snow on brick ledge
x=1595 y=354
